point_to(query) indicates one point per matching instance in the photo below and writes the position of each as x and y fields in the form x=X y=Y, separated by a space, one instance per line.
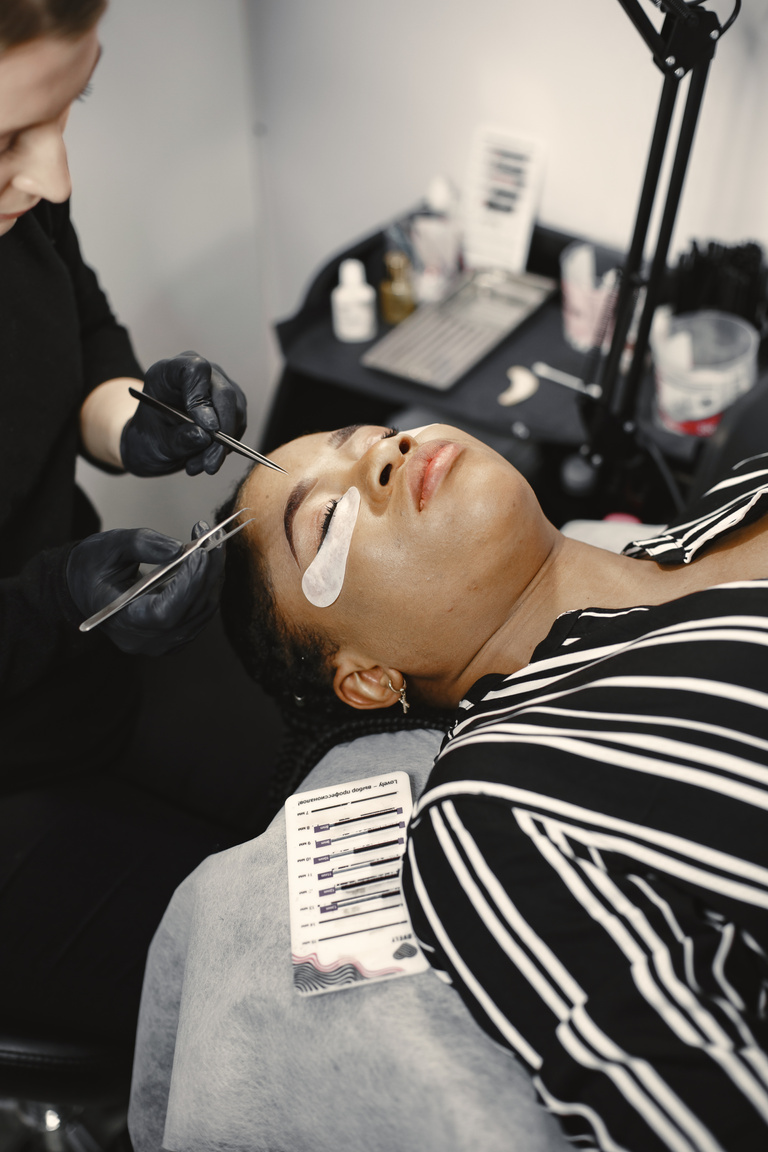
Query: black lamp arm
x=688 y=36
x=687 y=42
x=644 y=26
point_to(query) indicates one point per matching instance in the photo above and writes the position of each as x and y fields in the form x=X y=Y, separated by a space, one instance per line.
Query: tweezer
x=157 y=575
x=228 y=441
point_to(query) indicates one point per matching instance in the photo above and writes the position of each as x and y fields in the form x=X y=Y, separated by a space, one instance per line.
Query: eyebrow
x=291 y=508
x=341 y=435
x=304 y=487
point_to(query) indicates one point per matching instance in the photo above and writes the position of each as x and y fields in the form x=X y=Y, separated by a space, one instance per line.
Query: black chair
x=58 y=1092
x=63 y=1096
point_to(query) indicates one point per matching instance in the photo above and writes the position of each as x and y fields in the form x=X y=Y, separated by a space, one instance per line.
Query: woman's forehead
x=304 y=456
x=268 y=492
x=302 y=452
x=297 y=457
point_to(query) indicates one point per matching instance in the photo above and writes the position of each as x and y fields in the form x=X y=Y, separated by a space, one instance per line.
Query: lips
x=428 y=467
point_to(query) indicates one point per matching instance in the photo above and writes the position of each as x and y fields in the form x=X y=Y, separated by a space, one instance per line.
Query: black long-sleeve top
x=63 y=695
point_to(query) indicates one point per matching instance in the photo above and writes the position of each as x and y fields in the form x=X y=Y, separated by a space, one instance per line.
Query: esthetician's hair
x=24 y=20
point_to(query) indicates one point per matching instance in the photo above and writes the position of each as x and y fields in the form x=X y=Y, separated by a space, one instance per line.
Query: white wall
x=363 y=102
x=230 y=146
x=166 y=205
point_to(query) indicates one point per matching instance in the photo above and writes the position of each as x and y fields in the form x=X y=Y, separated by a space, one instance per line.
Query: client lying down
x=587 y=864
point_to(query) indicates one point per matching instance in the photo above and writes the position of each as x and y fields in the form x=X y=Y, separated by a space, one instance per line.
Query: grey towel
x=229 y=1057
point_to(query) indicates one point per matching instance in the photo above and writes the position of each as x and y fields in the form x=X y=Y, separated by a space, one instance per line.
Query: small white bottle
x=353 y=304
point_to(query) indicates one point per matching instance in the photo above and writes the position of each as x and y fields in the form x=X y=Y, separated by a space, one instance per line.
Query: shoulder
x=627 y=677
x=739 y=499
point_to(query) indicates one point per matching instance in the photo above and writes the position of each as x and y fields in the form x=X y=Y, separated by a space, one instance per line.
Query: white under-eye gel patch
x=323 y=580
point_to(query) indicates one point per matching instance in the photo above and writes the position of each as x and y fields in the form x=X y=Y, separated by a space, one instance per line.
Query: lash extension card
x=349 y=923
x=501 y=197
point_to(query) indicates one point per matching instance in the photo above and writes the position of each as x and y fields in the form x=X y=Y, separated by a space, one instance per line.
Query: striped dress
x=588 y=864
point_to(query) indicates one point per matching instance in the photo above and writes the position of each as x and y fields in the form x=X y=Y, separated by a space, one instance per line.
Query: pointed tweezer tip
x=271 y=464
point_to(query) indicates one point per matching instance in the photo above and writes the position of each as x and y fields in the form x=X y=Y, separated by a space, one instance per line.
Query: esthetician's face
x=446 y=531
x=38 y=83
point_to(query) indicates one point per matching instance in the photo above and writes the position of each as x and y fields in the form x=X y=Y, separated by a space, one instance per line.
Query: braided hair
x=295 y=665
x=286 y=662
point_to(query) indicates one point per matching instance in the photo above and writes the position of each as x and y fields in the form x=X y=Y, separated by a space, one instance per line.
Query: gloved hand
x=154 y=443
x=106 y=564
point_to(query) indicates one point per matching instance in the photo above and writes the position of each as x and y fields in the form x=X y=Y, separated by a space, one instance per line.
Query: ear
x=363 y=687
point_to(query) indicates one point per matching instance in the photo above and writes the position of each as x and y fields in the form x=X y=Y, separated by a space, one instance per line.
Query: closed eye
x=331 y=508
x=329 y=511
x=8 y=143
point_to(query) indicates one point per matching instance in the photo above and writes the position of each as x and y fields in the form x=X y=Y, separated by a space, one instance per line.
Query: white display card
x=349 y=923
x=501 y=199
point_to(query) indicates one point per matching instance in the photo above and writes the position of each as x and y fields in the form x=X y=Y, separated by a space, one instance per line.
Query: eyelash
x=331 y=508
x=86 y=92
x=329 y=511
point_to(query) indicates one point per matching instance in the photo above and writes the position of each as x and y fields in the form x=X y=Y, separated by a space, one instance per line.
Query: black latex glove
x=153 y=443
x=103 y=566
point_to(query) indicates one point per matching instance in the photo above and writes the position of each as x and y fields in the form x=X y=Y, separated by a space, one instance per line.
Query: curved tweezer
x=210 y=539
x=221 y=437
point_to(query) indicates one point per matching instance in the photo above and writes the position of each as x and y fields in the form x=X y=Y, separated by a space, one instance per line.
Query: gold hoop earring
x=401 y=693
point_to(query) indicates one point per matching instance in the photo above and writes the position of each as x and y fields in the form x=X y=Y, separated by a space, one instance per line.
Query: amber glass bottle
x=396 y=293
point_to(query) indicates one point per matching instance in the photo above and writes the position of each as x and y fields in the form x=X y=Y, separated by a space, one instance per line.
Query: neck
x=574 y=576
x=571 y=575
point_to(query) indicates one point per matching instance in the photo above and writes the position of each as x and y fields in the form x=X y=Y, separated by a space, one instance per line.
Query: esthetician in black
x=86 y=865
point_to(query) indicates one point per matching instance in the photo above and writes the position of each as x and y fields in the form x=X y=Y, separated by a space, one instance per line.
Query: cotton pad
x=323 y=580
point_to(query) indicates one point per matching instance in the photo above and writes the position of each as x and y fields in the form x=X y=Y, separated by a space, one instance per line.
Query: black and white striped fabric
x=588 y=863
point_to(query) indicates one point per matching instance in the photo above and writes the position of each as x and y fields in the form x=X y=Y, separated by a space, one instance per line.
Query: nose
x=42 y=170
x=380 y=465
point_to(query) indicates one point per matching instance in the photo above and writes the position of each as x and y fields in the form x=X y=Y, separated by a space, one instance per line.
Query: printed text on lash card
x=349 y=924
